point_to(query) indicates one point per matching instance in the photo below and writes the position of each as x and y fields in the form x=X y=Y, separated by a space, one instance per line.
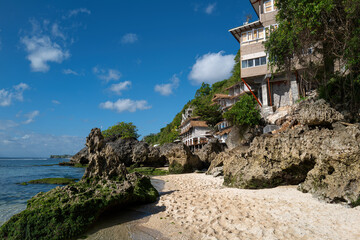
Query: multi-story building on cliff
x=193 y=132
x=272 y=90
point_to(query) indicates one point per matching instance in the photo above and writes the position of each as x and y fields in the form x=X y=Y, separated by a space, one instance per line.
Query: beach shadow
x=119 y=220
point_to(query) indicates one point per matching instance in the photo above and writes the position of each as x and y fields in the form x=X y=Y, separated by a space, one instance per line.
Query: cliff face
x=318 y=151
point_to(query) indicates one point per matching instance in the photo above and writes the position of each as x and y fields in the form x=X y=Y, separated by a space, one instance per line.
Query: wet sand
x=197 y=206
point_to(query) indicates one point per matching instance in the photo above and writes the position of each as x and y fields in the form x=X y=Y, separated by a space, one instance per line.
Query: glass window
x=243 y=37
x=260 y=33
x=250 y=36
x=262 y=60
x=256 y=34
x=250 y=63
x=268 y=5
x=257 y=61
x=244 y=64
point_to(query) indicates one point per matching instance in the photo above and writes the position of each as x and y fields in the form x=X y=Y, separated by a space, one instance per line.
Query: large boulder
x=336 y=175
x=148 y=156
x=317 y=112
x=273 y=160
x=209 y=151
x=241 y=136
x=66 y=212
x=180 y=157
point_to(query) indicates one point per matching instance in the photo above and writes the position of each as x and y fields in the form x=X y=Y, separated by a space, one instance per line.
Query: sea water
x=13 y=196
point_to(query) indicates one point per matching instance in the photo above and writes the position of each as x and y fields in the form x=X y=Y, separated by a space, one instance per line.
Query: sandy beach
x=197 y=206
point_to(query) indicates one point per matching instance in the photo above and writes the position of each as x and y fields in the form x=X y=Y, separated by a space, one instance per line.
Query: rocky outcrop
x=272 y=160
x=336 y=174
x=318 y=151
x=81 y=157
x=209 y=151
x=66 y=212
x=241 y=136
x=317 y=112
x=181 y=159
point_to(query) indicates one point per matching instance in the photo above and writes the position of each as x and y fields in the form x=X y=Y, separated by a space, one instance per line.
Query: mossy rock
x=177 y=168
x=58 y=181
x=149 y=171
x=66 y=212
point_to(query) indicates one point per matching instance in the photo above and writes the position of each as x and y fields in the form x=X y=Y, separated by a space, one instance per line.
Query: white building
x=194 y=133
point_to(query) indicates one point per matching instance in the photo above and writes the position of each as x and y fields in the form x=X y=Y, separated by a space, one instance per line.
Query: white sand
x=197 y=206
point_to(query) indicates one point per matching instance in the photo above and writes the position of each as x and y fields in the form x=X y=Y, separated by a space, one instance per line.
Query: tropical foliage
x=244 y=112
x=121 y=130
x=323 y=36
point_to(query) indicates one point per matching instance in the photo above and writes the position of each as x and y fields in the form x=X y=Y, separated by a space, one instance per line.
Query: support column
x=294 y=90
x=264 y=94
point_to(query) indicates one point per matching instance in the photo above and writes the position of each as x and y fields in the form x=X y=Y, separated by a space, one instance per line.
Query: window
x=269 y=6
x=243 y=37
x=262 y=60
x=244 y=64
x=251 y=62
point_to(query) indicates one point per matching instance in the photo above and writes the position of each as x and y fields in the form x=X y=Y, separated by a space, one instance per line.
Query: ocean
x=13 y=197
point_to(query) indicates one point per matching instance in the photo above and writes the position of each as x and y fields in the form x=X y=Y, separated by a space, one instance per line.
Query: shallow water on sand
x=13 y=197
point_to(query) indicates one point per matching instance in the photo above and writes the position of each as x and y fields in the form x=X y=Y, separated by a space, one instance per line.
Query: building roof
x=240 y=94
x=189 y=119
x=238 y=83
x=255 y=5
x=195 y=124
x=225 y=131
x=236 y=32
x=220 y=96
x=219 y=123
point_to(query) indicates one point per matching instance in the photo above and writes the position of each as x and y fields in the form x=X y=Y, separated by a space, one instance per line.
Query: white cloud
x=7 y=124
x=167 y=89
x=75 y=12
x=122 y=105
x=121 y=86
x=129 y=38
x=212 y=67
x=16 y=93
x=69 y=71
x=210 y=8
x=55 y=31
x=107 y=75
x=41 y=48
x=30 y=116
x=55 y=102
x=18 y=143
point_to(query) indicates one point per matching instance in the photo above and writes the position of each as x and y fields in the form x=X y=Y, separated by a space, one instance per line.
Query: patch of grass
x=58 y=181
x=79 y=165
x=149 y=171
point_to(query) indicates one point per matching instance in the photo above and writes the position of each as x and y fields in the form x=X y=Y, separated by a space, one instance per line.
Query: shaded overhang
x=255 y=4
x=236 y=32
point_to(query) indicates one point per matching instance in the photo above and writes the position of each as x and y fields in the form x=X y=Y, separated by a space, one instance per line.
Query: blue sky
x=69 y=66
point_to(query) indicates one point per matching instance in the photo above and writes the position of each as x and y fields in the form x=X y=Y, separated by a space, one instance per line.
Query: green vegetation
x=149 y=171
x=330 y=31
x=121 y=130
x=244 y=112
x=65 y=213
x=58 y=181
x=79 y=165
x=202 y=104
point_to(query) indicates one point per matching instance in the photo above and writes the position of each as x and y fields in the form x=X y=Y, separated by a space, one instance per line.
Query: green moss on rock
x=66 y=212
x=58 y=181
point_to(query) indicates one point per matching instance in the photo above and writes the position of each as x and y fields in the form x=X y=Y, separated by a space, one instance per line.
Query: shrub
x=244 y=112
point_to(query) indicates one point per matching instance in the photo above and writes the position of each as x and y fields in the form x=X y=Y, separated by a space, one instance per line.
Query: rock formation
x=210 y=151
x=181 y=159
x=81 y=157
x=66 y=212
x=319 y=151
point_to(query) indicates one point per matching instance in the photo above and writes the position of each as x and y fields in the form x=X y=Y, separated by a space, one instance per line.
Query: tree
x=208 y=113
x=204 y=90
x=244 y=112
x=121 y=130
x=319 y=35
